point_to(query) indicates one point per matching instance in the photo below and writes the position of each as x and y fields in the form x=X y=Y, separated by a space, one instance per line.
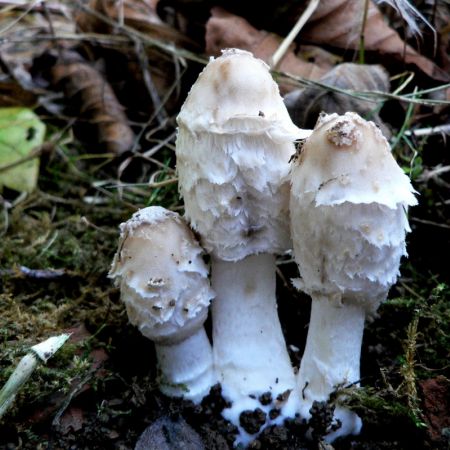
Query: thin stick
x=38 y=353
x=429 y=131
x=287 y=41
x=372 y=96
x=429 y=222
x=33 y=154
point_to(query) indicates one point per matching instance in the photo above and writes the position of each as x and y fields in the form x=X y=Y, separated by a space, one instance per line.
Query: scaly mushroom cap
x=348 y=206
x=234 y=143
x=161 y=274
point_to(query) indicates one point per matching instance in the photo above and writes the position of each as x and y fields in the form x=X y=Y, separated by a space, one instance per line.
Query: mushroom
x=348 y=205
x=235 y=139
x=164 y=284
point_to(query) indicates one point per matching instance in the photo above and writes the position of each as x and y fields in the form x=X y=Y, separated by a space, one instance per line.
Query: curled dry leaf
x=225 y=30
x=103 y=118
x=305 y=105
x=338 y=23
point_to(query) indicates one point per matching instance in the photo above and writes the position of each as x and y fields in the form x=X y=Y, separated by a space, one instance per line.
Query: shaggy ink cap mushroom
x=234 y=143
x=235 y=139
x=164 y=284
x=348 y=208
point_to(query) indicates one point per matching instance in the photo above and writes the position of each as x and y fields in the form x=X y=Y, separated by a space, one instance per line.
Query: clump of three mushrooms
x=234 y=145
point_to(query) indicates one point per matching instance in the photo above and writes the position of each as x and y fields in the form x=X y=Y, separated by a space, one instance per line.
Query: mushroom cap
x=162 y=276
x=236 y=93
x=347 y=159
x=234 y=143
x=348 y=209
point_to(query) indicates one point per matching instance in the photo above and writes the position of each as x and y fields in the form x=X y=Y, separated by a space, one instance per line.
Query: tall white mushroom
x=164 y=283
x=234 y=143
x=348 y=211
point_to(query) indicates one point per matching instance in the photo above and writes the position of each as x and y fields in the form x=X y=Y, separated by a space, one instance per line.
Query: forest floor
x=108 y=84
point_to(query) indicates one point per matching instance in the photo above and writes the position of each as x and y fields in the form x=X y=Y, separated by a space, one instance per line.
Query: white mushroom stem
x=249 y=348
x=186 y=366
x=331 y=357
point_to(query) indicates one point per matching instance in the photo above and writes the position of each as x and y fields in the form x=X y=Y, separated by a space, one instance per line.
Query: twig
x=411 y=290
x=33 y=154
x=429 y=222
x=287 y=41
x=428 y=174
x=19 y=18
x=405 y=124
x=85 y=221
x=37 y=274
x=373 y=96
x=445 y=129
x=161 y=114
x=145 y=38
x=160 y=145
x=54 y=7
x=168 y=182
x=38 y=353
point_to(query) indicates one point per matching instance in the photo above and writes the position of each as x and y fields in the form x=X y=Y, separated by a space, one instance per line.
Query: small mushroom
x=234 y=143
x=348 y=205
x=164 y=285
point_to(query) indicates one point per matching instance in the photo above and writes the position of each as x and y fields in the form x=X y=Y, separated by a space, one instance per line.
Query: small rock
x=168 y=434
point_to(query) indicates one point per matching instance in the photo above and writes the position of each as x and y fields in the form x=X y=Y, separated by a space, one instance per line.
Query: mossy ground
x=71 y=223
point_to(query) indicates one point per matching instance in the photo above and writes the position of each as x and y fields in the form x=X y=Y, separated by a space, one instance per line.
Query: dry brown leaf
x=305 y=105
x=72 y=420
x=224 y=30
x=338 y=23
x=12 y=94
x=22 y=35
x=103 y=118
x=138 y=14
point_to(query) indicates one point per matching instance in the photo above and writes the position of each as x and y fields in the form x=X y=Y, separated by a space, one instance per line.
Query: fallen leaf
x=21 y=134
x=225 y=30
x=338 y=23
x=91 y=96
x=23 y=33
x=305 y=105
x=72 y=420
x=138 y=14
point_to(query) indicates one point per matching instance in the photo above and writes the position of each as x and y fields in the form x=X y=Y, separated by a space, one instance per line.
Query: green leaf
x=21 y=132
